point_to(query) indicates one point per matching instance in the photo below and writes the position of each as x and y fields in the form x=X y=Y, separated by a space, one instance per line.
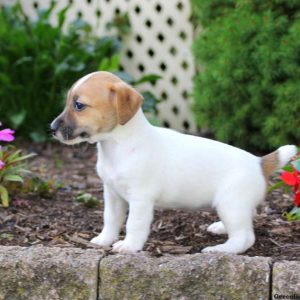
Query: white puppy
x=144 y=167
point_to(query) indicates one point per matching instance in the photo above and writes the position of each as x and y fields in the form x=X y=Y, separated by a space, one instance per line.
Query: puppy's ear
x=127 y=101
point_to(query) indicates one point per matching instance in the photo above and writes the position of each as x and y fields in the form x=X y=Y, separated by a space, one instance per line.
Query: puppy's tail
x=277 y=159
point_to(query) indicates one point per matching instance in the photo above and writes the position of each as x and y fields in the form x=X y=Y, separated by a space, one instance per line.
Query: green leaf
x=38 y=137
x=24 y=59
x=288 y=168
x=15 y=178
x=18 y=118
x=24 y=171
x=152 y=78
x=61 y=15
x=275 y=186
x=44 y=14
x=4 y=196
x=87 y=199
x=61 y=68
x=121 y=23
x=83 y=197
x=110 y=64
x=293 y=215
x=286 y=189
x=79 y=25
x=13 y=156
x=23 y=157
x=150 y=102
x=11 y=170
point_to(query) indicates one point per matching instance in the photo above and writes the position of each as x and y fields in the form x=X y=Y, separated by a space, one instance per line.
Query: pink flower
x=6 y=135
x=2 y=164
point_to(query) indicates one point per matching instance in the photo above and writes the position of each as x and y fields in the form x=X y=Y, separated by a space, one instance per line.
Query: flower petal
x=2 y=164
x=289 y=178
x=297 y=199
x=6 y=135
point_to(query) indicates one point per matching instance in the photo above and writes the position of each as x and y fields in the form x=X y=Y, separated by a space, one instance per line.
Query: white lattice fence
x=160 y=43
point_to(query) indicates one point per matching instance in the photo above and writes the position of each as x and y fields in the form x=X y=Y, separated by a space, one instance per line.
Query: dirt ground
x=62 y=222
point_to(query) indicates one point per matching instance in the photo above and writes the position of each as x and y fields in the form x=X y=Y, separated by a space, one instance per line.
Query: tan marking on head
x=109 y=100
x=82 y=80
x=127 y=101
x=269 y=164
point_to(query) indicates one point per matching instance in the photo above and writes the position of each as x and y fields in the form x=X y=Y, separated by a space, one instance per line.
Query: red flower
x=293 y=179
x=297 y=199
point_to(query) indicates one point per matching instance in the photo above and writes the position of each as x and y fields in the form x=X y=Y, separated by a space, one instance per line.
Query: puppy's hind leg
x=238 y=224
x=235 y=209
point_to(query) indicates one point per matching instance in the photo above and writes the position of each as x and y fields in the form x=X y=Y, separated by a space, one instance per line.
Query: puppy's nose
x=55 y=125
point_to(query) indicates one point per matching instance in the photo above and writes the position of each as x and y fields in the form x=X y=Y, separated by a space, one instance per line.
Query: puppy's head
x=95 y=105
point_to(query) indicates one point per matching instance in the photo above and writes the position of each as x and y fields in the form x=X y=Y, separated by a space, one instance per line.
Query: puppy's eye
x=78 y=106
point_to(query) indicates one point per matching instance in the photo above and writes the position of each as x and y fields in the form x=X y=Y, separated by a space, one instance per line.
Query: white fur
x=285 y=154
x=217 y=228
x=144 y=167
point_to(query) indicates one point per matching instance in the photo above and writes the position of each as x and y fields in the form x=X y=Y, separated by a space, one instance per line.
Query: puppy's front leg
x=114 y=216
x=137 y=227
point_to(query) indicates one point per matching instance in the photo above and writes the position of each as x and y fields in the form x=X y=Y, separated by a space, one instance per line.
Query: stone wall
x=62 y=273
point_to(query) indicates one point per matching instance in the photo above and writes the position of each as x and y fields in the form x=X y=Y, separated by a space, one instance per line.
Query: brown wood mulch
x=60 y=221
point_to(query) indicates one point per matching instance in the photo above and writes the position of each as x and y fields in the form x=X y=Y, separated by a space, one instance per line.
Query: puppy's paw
x=217 y=228
x=211 y=249
x=220 y=248
x=125 y=247
x=103 y=240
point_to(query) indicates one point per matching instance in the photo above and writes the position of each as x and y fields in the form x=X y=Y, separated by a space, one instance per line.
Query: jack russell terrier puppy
x=143 y=167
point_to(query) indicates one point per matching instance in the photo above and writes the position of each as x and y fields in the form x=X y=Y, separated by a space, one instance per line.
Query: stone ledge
x=42 y=273
x=286 y=279
x=198 y=276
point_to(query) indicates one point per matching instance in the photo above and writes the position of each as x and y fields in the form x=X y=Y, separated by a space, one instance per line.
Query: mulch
x=62 y=222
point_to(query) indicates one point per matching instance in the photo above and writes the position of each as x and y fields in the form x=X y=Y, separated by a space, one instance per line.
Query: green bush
x=247 y=90
x=39 y=62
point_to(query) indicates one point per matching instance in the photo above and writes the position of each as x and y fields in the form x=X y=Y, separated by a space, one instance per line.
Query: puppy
x=144 y=167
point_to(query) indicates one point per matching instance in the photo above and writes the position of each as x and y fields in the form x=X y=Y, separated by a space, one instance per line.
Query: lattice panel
x=160 y=43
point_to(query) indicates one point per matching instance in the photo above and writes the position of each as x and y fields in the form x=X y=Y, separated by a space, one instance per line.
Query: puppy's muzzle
x=55 y=125
x=59 y=125
x=66 y=131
